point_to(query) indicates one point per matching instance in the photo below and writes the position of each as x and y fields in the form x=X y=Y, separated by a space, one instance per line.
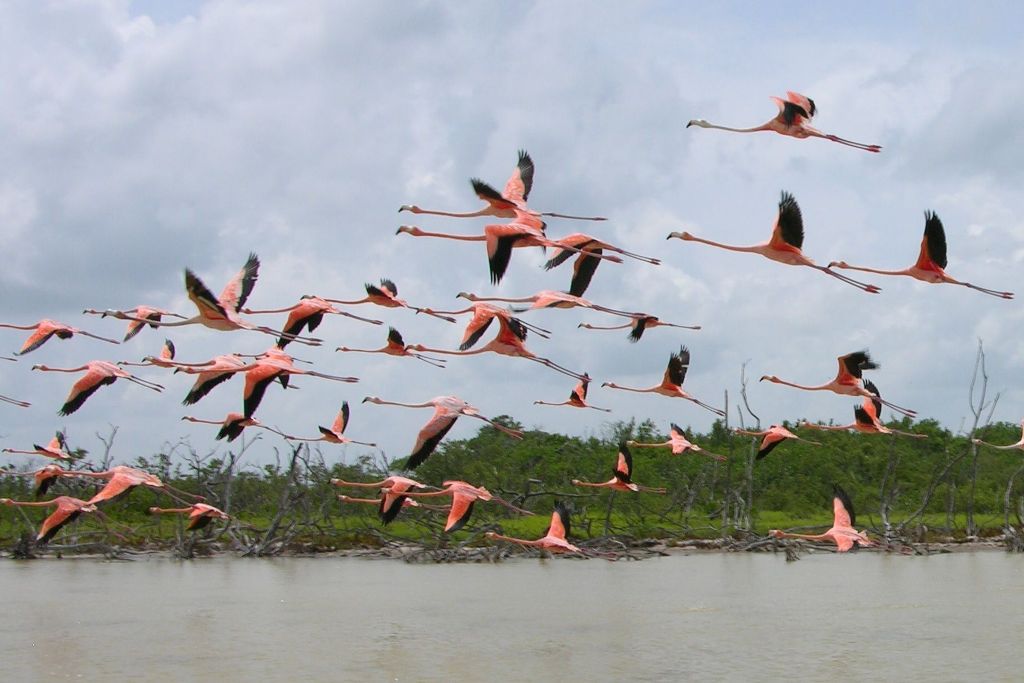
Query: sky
x=141 y=138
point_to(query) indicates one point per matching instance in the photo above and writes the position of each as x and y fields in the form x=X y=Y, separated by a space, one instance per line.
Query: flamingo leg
x=871 y=289
x=556 y=366
x=436 y=362
x=851 y=143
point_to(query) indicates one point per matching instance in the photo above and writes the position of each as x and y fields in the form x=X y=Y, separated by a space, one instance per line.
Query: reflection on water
x=704 y=617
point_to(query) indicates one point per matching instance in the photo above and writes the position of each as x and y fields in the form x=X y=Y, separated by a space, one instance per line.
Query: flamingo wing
x=499 y=250
x=583 y=269
x=234 y=425
x=842 y=508
x=768 y=444
x=205 y=383
x=852 y=366
x=237 y=291
x=873 y=405
x=341 y=421
x=203 y=298
x=41 y=335
x=802 y=101
x=788 y=232
x=678 y=363
x=119 y=485
x=624 y=464
x=388 y=288
x=475 y=329
x=68 y=510
x=256 y=382
x=85 y=387
x=428 y=438
x=488 y=194
x=559 y=527
x=462 y=509
x=579 y=394
x=395 y=338
x=521 y=182
x=933 y=245
x=390 y=505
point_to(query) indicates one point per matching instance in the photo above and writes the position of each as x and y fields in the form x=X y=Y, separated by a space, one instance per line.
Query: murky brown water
x=704 y=617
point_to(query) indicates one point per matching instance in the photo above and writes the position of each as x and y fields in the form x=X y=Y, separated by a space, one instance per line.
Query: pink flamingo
x=587 y=258
x=621 y=476
x=793 y=119
x=43 y=477
x=447 y=409
x=546 y=298
x=785 y=243
x=308 y=313
x=233 y=424
x=554 y=538
x=638 y=325
x=393 y=494
x=386 y=295
x=866 y=418
x=931 y=261
x=1019 y=445
x=122 y=479
x=672 y=382
x=842 y=533
x=45 y=329
x=503 y=204
x=773 y=436
x=336 y=433
x=199 y=514
x=848 y=381
x=98 y=373
x=406 y=503
x=578 y=397
x=220 y=313
x=679 y=444
x=213 y=372
x=464 y=495
x=273 y=364
x=396 y=346
x=56 y=449
x=483 y=314
x=68 y=510
x=142 y=316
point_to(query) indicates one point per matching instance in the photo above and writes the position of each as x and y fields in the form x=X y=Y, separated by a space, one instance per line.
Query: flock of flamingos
x=525 y=228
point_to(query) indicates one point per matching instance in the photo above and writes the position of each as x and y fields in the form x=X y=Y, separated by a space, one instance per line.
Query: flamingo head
x=770 y=378
x=680 y=235
x=466 y=295
x=700 y=123
x=838 y=264
x=775 y=533
x=371 y=399
x=412 y=208
x=411 y=229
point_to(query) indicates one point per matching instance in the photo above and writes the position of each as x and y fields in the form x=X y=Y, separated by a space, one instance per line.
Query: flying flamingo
x=842 y=533
x=1019 y=445
x=464 y=495
x=931 y=261
x=848 y=381
x=122 y=479
x=447 y=409
x=679 y=444
x=336 y=433
x=578 y=397
x=587 y=259
x=546 y=298
x=44 y=329
x=773 y=436
x=672 y=382
x=866 y=418
x=164 y=360
x=98 y=373
x=406 y=503
x=273 y=364
x=621 y=476
x=141 y=316
x=232 y=425
x=68 y=509
x=43 y=477
x=785 y=243
x=508 y=342
x=56 y=449
x=794 y=118
x=393 y=495
x=483 y=314
x=554 y=539
x=396 y=346
x=639 y=324
x=220 y=313
x=199 y=514
x=503 y=204
x=307 y=314
x=386 y=295
x=216 y=371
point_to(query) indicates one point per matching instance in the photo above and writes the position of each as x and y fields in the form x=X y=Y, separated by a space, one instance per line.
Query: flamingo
x=56 y=449
x=220 y=313
x=273 y=364
x=785 y=243
x=396 y=346
x=447 y=409
x=588 y=258
x=216 y=371
x=45 y=329
x=508 y=342
x=406 y=503
x=848 y=381
x=68 y=509
x=336 y=433
x=672 y=382
x=931 y=261
x=199 y=514
x=621 y=476
x=483 y=314
x=578 y=397
x=639 y=324
x=307 y=313
x=793 y=119
x=143 y=315
x=773 y=436
x=393 y=494
x=866 y=418
x=503 y=204
x=164 y=360
x=122 y=479
x=546 y=298
x=43 y=477
x=232 y=425
x=1019 y=445
x=842 y=533
x=554 y=538
x=386 y=295
x=679 y=444
x=464 y=495
x=98 y=373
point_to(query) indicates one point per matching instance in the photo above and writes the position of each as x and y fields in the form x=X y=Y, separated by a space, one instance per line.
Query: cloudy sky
x=140 y=138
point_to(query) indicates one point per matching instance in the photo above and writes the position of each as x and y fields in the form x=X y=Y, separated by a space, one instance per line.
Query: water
x=701 y=617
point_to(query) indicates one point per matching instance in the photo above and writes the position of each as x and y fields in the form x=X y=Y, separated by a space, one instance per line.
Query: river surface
x=700 y=617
